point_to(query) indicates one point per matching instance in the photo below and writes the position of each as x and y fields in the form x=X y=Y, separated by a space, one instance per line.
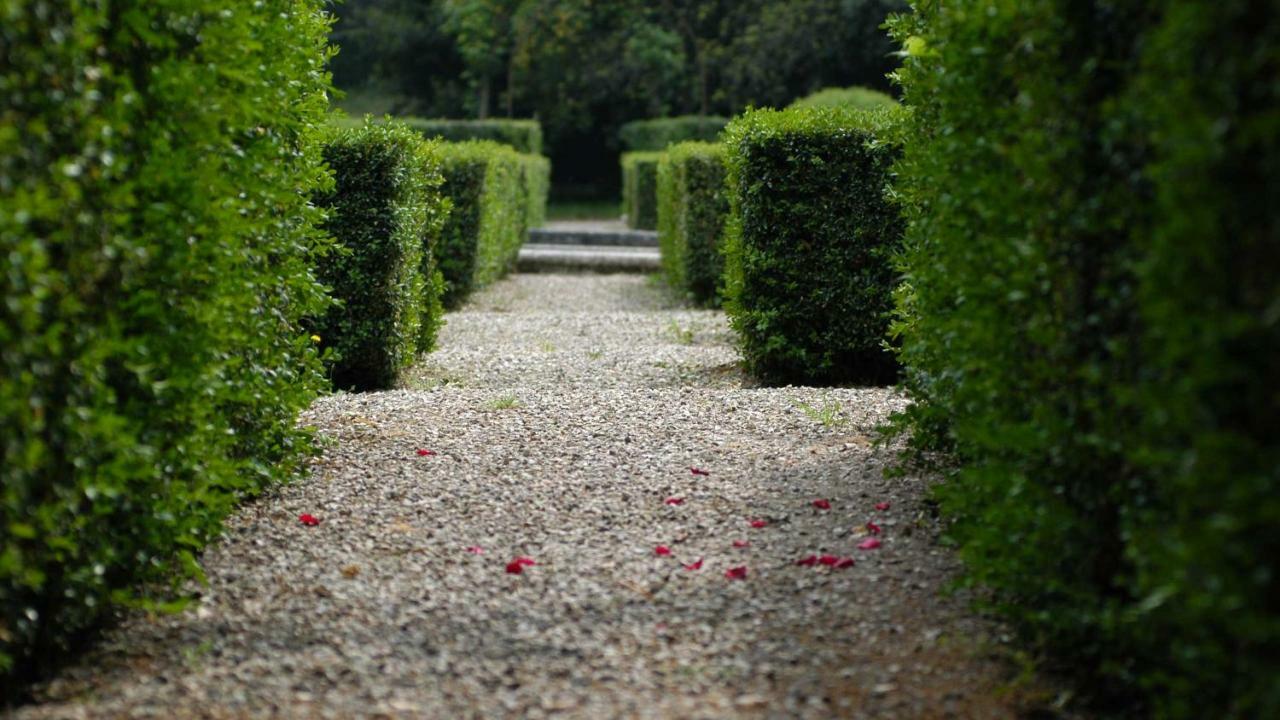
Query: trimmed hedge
x=810 y=244
x=386 y=213
x=158 y=242
x=640 y=189
x=856 y=97
x=1090 y=326
x=655 y=135
x=523 y=135
x=537 y=188
x=490 y=218
x=692 y=207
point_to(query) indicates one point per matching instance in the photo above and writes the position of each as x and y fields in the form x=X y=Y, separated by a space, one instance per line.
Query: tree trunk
x=484 y=98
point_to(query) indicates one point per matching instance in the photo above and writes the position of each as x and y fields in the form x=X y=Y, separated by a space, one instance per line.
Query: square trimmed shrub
x=810 y=244
x=384 y=210
x=537 y=188
x=640 y=189
x=855 y=97
x=693 y=204
x=486 y=184
x=525 y=136
x=1090 y=328
x=659 y=133
x=159 y=240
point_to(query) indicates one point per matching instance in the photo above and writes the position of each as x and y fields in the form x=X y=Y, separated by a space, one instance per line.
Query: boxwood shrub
x=536 y=180
x=1090 y=324
x=485 y=183
x=157 y=162
x=385 y=212
x=858 y=98
x=810 y=244
x=523 y=135
x=657 y=134
x=640 y=189
x=692 y=206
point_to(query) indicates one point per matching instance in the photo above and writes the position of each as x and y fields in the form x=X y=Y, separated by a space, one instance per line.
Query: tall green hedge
x=810 y=244
x=523 y=135
x=386 y=213
x=1090 y=325
x=858 y=98
x=640 y=189
x=657 y=134
x=692 y=207
x=490 y=218
x=537 y=188
x=156 y=165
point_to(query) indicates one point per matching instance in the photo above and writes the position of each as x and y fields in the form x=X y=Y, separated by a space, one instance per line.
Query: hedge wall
x=537 y=188
x=158 y=242
x=657 y=134
x=1090 y=324
x=386 y=213
x=640 y=189
x=487 y=226
x=523 y=135
x=857 y=98
x=810 y=242
x=692 y=207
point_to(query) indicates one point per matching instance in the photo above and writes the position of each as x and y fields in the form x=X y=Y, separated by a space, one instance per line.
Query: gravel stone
x=564 y=411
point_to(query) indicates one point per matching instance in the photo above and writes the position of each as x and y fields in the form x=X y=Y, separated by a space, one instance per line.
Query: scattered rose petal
x=522 y=560
x=475 y=550
x=741 y=543
x=809 y=561
x=882 y=506
x=759 y=523
x=869 y=544
x=662 y=550
x=694 y=565
x=873 y=528
x=308 y=519
x=422 y=452
x=844 y=563
x=515 y=568
x=674 y=501
x=822 y=504
x=828 y=560
x=698 y=471
x=736 y=573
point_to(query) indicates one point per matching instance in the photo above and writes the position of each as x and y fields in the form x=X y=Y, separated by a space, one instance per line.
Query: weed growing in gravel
x=504 y=402
x=546 y=346
x=829 y=415
x=683 y=335
x=595 y=354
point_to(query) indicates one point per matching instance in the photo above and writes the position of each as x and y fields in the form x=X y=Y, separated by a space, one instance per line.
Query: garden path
x=561 y=418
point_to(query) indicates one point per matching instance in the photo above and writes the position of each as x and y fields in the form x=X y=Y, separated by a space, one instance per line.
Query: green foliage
x=658 y=134
x=692 y=206
x=485 y=182
x=156 y=165
x=857 y=98
x=523 y=135
x=809 y=244
x=640 y=189
x=536 y=179
x=386 y=213
x=1089 y=322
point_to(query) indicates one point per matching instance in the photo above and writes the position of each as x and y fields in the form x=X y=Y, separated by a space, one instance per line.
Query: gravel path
x=565 y=411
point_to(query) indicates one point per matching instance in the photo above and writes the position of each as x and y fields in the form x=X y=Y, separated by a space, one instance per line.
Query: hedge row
x=497 y=195
x=856 y=98
x=386 y=213
x=640 y=189
x=1090 y=325
x=809 y=245
x=158 y=264
x=656 y=135
x=692 y=207
x=523 y=135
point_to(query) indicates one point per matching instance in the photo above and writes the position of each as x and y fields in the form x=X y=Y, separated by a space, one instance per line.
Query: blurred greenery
x=583 y=68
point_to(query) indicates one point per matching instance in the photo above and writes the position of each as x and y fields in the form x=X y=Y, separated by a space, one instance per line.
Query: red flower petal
x=759 y=523
x=694 y=565
x=828 y=560
x=844 y=563
x=882 y=506
x=809 y=561
x=737 y=573
x=522 y=560
x=425 y=453
x=869 y=544
x=475 y=550
x=308 y=519
x=698 y=471
x=515 y=568
x=674 y=501
x=873 y=528
x=822 y=504
x=662 y=550
x=741 y=543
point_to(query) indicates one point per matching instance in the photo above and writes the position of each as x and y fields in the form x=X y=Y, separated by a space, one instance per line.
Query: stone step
x=592 y=232
x=545 y=257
